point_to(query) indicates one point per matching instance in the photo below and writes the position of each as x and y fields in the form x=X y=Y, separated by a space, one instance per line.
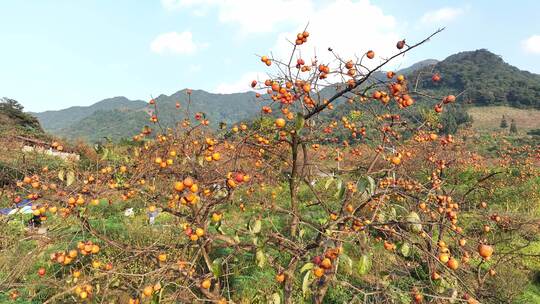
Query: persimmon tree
x=279 y=193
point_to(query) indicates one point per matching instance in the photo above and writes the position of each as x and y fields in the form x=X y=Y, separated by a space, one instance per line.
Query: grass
x=515 y=193
x=489 y=118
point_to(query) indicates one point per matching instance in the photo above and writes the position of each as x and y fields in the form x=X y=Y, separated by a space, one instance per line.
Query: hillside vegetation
x=56 y=121
x=13 y=118
x=482 y=77
x=489 y=118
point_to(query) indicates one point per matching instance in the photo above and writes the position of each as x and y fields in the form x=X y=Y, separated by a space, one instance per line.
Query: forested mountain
x=120 y=117
x=485 y=79
x=481 y=77
x=54 y=121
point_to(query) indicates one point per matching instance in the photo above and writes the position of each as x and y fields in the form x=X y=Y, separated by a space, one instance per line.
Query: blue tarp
x=23 y=207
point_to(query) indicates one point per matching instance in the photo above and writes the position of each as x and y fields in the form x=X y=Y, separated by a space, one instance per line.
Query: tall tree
x=513 y=127
x=504 y=123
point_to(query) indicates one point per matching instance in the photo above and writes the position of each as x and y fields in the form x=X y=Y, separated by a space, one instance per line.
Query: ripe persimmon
x=206 y=283
x=318 y=272
x=280 y=122
x=485 y=251
x=452 y=264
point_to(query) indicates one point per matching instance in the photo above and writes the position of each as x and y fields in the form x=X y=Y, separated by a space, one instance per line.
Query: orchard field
x=294 y=206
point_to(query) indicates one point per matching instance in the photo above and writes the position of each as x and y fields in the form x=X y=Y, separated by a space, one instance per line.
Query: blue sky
x=57 y=54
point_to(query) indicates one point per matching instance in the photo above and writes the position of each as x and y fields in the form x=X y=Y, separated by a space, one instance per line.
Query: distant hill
x=483 y=77
x=113 y=124
x=419 y=65
x=54 y=121
x=120 y=117
x=13 y=119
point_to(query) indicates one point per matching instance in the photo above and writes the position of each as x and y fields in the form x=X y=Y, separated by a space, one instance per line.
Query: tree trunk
x=293 y=187
x=289 y=281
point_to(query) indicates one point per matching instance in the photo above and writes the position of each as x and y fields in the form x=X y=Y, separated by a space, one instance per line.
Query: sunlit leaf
x=276 y=299
x=256 y=226
x=371 y=183
x=305 y=283
x=340 y=192
x=405 y=249
x=105 y=154
x=261 y=258
x=328 y=183
x=414 y=222
x=70 y=178
x=299 y=123
x=216 y=267
x=364 y=264
x=307 y=266
x=346 y=263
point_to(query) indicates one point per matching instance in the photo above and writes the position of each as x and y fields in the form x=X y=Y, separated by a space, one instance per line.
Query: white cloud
x=442 y=15
x=243 y=84
x=174 y=43
x=336 y=25
x=331 y=24
x=532 y=44
x=251 y=16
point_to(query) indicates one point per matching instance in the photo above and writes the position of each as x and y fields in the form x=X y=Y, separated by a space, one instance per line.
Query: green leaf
x=61 y=175
x=276 y=299
x=328 y=183
x=361 y=185
x=261 y=258
x=216 y=267
x=366 y=184
x=256 y=226
x=70 y=178
x=105 y=154
x=414 y=222
x=405 y=249
x=341 y=193
x=439 y=286
x=299 y=124
x=364 y=264
x=307 y=266
x=220 y=193
x=371 y=183
x=340 y=189
x=305 y=283
x=392 y=213
x=347 y=263
x=115 y=282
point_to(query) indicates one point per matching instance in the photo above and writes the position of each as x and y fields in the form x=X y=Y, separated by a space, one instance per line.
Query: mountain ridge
x=479 y=74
